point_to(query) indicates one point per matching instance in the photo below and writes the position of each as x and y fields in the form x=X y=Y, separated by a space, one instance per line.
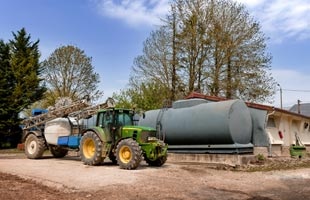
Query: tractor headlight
x=146 y=136
x=150 y=139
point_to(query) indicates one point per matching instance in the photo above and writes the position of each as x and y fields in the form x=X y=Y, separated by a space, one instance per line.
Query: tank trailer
x=114 y=136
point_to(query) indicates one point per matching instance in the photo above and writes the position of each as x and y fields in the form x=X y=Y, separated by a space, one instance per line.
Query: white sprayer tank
x=57 y=128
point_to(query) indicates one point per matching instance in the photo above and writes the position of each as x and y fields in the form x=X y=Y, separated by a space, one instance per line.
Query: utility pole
x=298 y=106
x=280 y=95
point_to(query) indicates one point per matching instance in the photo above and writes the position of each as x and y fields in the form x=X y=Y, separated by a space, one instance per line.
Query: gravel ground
x=68 y=178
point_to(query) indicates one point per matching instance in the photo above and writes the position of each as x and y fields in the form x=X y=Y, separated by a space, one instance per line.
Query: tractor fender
x=120 y=139
x=101 y=134
x=35 y=132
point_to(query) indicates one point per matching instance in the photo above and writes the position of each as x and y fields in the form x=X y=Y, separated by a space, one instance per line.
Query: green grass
x=279 y=165
x=13 y=150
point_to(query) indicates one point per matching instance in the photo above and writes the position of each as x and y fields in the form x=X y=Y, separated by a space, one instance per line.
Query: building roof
x=304 y=109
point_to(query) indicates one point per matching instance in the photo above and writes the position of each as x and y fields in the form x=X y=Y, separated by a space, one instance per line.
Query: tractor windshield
x=124 y=119
x=115 y=118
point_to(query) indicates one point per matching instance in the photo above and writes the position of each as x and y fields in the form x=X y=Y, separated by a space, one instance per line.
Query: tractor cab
x=115 y=117
x=112 y=120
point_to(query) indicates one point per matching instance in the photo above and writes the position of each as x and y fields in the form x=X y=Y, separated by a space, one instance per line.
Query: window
x=104 y=119
x=100 y=120
x=306 y=125
x=124 y=119
x=271 y=123
x=107 y=119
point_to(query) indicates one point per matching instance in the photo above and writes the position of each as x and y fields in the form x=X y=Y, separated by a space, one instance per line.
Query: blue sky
x=113 y=32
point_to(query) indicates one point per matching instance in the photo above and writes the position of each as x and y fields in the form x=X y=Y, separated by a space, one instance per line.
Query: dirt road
x=68 y=178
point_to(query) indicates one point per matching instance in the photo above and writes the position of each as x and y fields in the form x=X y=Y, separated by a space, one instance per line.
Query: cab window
x=100 y=120
x=104 y=119
x=124 y=119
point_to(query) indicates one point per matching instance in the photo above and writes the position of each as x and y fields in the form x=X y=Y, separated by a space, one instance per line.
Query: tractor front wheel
x=34 y=146
x=91 y=149
x=158 y=162
x=128 y=154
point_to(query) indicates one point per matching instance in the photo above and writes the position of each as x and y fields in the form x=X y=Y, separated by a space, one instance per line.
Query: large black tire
x=57 y=151
x=128 y=154
x=113 y=158
x=91 y=149
x=157 y=163
x=34 y=146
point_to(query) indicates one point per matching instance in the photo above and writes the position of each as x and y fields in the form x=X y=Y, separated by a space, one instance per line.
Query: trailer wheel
x=158 y=162
x=91 y=149
x=57 y=151
x=128 y=154
x=34 y=146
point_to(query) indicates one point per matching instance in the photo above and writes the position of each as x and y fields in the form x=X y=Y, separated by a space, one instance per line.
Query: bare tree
x=239 y=62
x=68 y=72
x=158 y=64
x=213 y=46
x=192 y=37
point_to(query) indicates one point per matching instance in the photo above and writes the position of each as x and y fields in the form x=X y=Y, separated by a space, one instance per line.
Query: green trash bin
x=297 y=151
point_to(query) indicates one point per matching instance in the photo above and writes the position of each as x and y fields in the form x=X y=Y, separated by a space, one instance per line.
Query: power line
x=292 y=90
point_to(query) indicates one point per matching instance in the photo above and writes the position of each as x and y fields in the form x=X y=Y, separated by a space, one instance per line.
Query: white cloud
x=251 y=3
x=135 y=12
x=294 y=87
x=282 y=19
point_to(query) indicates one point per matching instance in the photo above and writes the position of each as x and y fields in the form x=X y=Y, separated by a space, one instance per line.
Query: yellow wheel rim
x=125 y=154
x=89 y=148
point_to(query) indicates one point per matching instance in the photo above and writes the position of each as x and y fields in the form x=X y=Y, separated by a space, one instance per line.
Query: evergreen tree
x=20 y=84
x=26 y=69
x=6 y=85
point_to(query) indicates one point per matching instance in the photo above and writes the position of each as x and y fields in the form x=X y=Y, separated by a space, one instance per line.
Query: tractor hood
x=142 y=128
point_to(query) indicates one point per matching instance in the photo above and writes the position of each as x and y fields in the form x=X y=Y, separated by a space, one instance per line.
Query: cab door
x=105 y=122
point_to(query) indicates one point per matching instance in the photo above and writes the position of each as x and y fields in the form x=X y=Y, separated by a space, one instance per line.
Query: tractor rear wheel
x=91 y=149
x=34 y=146
x=158 y=162
x=57 y=151
x=128 y=154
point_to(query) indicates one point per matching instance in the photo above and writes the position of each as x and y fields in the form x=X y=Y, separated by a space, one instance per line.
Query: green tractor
x=115 y=136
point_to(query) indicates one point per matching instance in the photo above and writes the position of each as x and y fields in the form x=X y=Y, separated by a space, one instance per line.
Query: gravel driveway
x=68 y=178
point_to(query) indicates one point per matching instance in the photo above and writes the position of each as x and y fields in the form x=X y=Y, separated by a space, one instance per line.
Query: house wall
x=304 y=133
x=283 y=131
x=284 y=125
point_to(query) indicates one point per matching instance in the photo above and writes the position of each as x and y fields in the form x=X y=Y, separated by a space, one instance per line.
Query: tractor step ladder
x=160 y=133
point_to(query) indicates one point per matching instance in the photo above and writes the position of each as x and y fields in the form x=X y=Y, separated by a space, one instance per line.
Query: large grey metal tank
x=199 y=122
